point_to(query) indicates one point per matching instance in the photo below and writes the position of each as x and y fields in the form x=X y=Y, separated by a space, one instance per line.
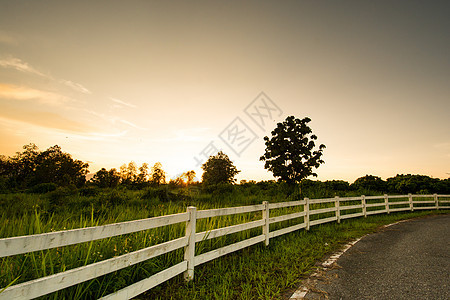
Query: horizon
x=114 y=82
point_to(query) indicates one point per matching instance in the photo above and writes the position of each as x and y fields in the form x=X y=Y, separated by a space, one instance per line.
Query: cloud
x=130 y=124
x=14 y=92
x=76 y=86
x=44 y=119
x=122 y=103
x=19 y=65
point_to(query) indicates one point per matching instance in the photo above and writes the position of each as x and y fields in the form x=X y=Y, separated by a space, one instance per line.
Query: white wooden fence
x=312 y=212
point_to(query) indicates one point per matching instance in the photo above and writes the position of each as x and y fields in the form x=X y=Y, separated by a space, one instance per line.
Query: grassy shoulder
x=272 y=272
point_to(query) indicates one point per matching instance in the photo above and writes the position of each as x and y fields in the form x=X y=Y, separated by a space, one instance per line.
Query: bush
x=164 y=195
x=222 y=190
x=43 y=188
x=161 y=193
x=113 y=197
x=88 y=191
x=57 y=198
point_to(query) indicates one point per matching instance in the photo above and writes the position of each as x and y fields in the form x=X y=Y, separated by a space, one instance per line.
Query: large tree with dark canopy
x=290 y=152
x=32 y=167
x=219 y=169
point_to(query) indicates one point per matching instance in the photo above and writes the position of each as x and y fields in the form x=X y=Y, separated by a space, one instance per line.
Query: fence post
x=364 y=208
x=386 y=202
x=189 y=250
x=411 y=204
x=265 y=215
x=338 y=209
x=436 y=201
x=306 y=209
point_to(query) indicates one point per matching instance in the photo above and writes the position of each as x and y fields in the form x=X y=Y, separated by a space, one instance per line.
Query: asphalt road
x=409 y=260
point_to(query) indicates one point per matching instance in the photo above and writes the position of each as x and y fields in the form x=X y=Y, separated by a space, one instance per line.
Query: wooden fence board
x=374 y=197
x=148 y=283
x=357 y=198
x=350 y=207
x=355 y=215
x=201 y=214
x=45 y=285
x=279 y=232
x=286 y=217
x=228 y=249
x=397 y=196
x=286 y=204
x=375 y=204
x=30 y=243
x=322 y=210
x=325 y=200
x=206 y=235
x=378 y=211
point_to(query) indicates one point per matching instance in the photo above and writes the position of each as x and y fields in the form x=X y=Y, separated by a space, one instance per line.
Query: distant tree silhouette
x=32 y=167
x=143 y=176
x=422 y=184
x=104 y=178
x=370 y=183
x=290 y=153
x=189 y=175
x=158 y=176
x=178 y=181
x=59 y=167
x=219 y=169
x=128 y=173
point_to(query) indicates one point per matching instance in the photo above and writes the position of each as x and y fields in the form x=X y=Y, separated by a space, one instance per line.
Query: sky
x=175 y=81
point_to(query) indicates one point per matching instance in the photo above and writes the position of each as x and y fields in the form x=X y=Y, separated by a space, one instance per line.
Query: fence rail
x=340 y=208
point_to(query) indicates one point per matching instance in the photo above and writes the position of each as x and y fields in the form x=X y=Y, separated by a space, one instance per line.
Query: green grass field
x=257 y=272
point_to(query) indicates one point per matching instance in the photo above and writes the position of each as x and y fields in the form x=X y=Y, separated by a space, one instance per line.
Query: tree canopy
x=369 y=183
x=158 y=175
x=290 y=153
x=219 y=169
x=32 y=167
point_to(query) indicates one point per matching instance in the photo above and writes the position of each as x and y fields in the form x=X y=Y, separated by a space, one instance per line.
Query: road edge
x=329 y=263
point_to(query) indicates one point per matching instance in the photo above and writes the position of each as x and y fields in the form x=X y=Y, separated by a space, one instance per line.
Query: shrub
x=43 y=188
x=113 y=197
x=57 y=198
x=88 y=191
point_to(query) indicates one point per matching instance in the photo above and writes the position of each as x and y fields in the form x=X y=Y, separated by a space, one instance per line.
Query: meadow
x=257 y=272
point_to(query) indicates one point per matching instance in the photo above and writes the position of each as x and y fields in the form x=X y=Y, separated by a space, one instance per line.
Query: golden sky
x=149 y=81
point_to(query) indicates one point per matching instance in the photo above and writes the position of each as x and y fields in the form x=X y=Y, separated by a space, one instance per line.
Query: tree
x=158 y=175
x=128 y=173
x=290 y=153
x=32 y=167
x=104 y=178
x=59 y=167
x=219 y=169
x=189 y=175
x=142 y=177
x=370 y=183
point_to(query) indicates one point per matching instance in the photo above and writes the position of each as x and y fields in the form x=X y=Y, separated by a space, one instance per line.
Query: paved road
x=409 y=260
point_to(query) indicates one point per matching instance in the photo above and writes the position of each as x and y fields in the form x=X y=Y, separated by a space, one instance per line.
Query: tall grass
x=26 y=214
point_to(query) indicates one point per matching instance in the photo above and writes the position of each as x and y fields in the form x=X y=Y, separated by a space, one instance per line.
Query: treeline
x=369 y=184
x=400 y=184
x=44 y=171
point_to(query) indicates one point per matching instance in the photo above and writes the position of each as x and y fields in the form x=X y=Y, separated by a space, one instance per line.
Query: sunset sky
x=168 y=81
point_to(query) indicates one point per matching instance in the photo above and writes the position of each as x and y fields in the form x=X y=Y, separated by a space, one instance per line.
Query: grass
x=275 y=271
x=257 y=272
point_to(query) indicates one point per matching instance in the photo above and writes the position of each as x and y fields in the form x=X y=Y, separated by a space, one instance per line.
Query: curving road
x=409 y=260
